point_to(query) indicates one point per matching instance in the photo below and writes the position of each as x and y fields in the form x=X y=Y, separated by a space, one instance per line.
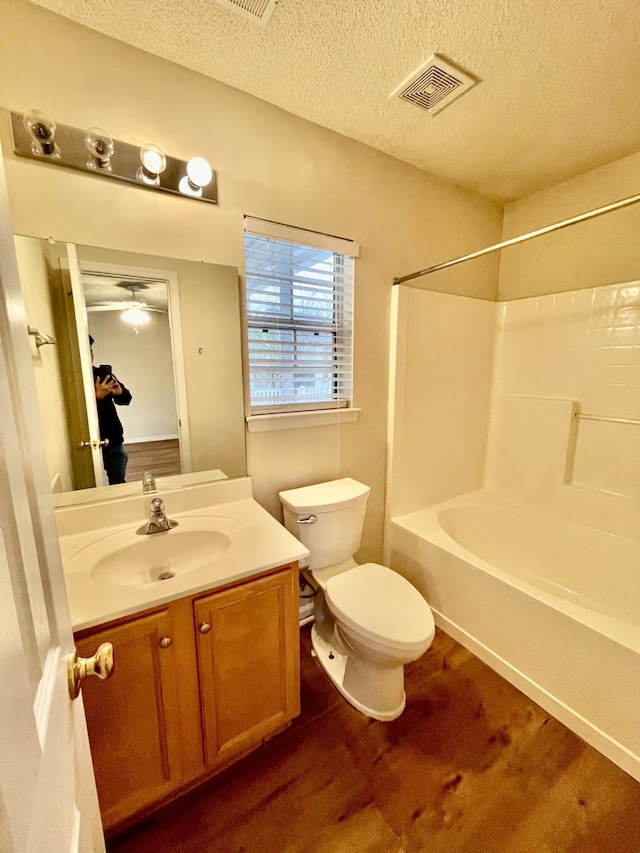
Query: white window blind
x=299 y=318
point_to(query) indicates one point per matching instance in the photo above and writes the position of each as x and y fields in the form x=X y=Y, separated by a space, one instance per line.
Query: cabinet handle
x=165 y=642
x=204 y=627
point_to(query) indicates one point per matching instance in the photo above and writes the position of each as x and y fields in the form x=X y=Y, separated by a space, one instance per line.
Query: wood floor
x=471 y=766
x=162 y=458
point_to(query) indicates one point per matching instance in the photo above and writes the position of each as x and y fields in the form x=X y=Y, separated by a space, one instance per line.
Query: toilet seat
x=381 y=605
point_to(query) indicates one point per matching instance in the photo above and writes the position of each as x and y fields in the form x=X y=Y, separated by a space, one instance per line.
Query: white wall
x=472 y=377
x=270 y=164
x=558 y=355
x=440 y=403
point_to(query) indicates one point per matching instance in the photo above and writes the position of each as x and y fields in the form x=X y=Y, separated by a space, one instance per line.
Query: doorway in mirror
x=130 y=320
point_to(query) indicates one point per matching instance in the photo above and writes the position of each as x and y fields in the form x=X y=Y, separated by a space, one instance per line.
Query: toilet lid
x=380 y=604
x=323 y=497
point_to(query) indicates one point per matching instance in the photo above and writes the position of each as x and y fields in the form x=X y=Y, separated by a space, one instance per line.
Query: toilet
x=369 y=620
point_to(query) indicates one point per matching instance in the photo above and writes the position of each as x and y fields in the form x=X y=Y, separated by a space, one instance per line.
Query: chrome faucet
x=148 y=482
x=158 y=521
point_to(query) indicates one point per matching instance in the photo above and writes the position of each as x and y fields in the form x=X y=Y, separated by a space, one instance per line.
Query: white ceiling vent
x=434 y=85
x=258 y=11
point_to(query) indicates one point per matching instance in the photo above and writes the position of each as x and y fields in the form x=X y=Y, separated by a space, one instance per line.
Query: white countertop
x=258 y=543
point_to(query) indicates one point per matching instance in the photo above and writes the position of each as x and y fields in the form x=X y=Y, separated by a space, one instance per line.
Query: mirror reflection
x=147 y=356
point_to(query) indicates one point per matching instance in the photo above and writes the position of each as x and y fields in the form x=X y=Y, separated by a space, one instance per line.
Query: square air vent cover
x=434 y=85
x=258 y=11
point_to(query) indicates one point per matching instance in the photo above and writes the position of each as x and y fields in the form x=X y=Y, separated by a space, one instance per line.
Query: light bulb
x=199 y=172
x=42 y=130
x=135 y=316
x=100 y=146
x=153 y=162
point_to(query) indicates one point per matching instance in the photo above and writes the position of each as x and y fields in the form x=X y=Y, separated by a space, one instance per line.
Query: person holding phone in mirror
x=110 y=392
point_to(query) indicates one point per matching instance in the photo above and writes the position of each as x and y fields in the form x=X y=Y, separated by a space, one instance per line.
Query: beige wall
x=143 y=363
x=602 y=251
x=211 y=342
x=36 y=276
x=211 y=347
x=270 y=164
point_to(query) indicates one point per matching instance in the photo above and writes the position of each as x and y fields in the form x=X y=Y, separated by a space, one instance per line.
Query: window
x=299 y=317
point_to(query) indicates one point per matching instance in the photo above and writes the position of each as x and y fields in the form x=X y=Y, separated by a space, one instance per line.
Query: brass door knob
x=204 y=627
x=165 y=642
x=100 y=664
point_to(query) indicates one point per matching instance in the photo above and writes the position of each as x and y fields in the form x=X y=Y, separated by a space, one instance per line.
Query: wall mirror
x=168 y=329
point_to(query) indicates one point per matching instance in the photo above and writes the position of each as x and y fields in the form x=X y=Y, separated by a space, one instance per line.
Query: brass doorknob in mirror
x=93 y=443
x=100 y=664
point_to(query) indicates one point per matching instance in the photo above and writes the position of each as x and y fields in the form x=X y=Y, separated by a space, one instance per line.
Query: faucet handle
x=158 y=521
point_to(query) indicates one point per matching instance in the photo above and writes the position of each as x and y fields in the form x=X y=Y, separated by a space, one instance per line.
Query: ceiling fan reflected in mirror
x=135 y=310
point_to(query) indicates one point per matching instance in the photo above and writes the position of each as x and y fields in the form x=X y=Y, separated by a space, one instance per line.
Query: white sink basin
x=223 y=537
x=127 y=559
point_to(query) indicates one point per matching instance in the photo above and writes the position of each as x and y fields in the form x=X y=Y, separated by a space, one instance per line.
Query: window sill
x=297 y=420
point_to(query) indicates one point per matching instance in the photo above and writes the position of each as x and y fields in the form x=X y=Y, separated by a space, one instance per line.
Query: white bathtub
x=553 y=607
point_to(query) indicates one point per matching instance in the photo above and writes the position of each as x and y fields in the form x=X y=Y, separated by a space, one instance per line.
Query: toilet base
x=334 y=664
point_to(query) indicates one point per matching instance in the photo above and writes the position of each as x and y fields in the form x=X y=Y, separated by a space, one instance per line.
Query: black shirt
x=110 y=426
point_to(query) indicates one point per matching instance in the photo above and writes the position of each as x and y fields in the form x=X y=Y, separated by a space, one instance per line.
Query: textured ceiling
x=100 y=289
x=559 y=90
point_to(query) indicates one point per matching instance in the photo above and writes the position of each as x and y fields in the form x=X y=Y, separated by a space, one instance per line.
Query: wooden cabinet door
x=133 y=730
x=248 y=662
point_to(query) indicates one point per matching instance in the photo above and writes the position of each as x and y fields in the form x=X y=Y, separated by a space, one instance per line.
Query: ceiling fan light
x=135 y=316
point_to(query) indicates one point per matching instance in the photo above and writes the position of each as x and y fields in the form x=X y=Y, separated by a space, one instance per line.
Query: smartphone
x=104 y=371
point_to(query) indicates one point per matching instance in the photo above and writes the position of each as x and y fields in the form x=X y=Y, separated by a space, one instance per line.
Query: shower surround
x=521 y=416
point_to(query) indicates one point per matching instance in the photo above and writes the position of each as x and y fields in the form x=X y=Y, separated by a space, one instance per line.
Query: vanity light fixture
x=38 y=137
x=199 y=175
x=41 y=130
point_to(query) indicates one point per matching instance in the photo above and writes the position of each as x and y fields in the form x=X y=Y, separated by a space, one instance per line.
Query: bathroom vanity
x=206 y=660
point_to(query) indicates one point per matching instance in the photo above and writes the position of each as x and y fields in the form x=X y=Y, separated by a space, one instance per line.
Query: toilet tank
x=339 y=508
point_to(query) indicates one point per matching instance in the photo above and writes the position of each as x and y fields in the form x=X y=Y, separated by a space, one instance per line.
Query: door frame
x=175 y=325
